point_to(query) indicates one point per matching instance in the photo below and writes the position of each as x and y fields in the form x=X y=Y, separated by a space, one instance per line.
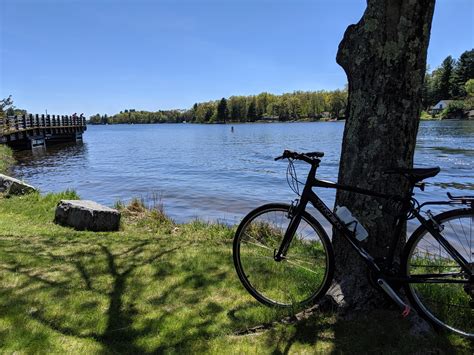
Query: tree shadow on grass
x=133 y=296
x=118 y=334
x=309 y=332
x=152 y=296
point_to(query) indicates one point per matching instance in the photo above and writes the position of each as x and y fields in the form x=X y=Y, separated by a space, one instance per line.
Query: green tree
x=337 y=102
x=469 y=100
x=275 y=107
x=252 y=111
x=10 y=111
x=222 y=111
x=95 y=119
x=469 y=87
x=238 y=108
x=193 y=114
x=455 y=109
x=5 y=104
x=426 y=94
x=464 y=71
x=446 y=79
x=435 y=86
x=205 y=112
x=262 y=101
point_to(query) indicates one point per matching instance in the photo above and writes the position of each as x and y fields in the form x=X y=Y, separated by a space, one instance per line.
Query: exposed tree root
x=326 y=304
x=419 y=327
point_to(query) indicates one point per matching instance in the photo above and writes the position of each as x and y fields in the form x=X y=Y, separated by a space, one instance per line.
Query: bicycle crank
x=393 y=295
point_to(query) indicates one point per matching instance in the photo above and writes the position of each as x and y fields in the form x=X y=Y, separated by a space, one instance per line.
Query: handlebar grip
x=315 y=154
x=301 y=156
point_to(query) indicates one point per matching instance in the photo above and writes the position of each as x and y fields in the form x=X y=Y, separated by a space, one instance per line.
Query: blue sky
x=103 y=56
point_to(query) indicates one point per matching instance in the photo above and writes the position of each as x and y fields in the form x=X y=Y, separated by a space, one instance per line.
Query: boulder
x=87 y=215
x=11 y=186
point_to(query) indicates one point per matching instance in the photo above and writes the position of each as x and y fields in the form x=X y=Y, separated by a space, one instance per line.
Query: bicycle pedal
x=406 y=311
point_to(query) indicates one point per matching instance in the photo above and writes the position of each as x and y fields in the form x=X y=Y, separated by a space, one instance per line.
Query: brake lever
x=286 y=154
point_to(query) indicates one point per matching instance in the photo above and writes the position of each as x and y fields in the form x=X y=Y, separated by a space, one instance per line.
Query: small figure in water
x=232 y=129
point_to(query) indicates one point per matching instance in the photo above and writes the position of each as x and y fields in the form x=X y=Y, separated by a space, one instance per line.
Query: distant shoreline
x=256 y=122
x=217 y=123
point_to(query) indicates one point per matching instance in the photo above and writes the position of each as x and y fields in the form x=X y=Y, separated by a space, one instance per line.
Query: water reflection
x=46 y=166
x=55 y=155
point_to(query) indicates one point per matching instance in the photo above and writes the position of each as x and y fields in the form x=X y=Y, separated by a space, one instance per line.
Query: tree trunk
x=384 y=57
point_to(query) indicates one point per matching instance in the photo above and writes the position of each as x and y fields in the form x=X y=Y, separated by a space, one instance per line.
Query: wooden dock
x=31 y=131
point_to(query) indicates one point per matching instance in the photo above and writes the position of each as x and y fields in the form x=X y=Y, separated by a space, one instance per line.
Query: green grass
x=425 y=116
x=6 y=158
x=299 y=276
x=155 y=287
x=448 y=302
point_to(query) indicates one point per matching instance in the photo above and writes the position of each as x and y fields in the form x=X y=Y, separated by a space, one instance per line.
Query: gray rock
x=87 y=215
x=12 y=186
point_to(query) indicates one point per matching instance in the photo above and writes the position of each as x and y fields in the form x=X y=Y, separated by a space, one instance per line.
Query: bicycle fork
x=296 y=212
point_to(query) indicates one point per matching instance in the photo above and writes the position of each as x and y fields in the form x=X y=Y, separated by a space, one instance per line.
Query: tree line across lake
x=264 y=106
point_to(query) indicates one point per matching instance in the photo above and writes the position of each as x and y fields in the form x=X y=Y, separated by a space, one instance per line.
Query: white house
x=440 y=106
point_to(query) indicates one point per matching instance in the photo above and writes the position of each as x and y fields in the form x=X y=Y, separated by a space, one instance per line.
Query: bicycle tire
x=302 y=277
x=445 y=305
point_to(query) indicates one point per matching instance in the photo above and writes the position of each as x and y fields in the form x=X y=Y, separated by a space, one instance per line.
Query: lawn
x=6 y=158
x=155 y=287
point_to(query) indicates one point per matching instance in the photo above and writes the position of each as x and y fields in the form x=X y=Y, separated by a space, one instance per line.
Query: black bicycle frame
x=406 y=206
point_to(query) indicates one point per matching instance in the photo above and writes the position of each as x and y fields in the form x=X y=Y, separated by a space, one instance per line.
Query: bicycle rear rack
x=465 y=200
x=453 y=200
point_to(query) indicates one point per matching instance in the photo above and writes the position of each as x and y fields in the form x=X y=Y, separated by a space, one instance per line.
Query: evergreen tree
x=193 y=114
x=222 y=111
x=446 y=79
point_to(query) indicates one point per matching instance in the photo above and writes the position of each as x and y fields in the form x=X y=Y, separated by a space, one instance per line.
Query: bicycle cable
x=292 y=177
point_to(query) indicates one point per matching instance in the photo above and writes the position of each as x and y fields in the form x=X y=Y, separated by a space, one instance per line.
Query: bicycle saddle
x=415 y=175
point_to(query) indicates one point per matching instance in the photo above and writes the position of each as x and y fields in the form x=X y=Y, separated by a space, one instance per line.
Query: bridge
x=31 y=131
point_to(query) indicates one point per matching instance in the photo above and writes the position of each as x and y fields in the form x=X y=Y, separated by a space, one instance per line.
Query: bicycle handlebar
x=307 y=157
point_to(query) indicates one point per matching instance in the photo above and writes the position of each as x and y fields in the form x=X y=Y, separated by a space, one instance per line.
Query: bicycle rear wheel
x=444 y=294
x=305 y=273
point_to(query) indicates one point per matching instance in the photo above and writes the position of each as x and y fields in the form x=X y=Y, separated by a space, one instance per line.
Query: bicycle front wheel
x=304 y=274
x=443 y=293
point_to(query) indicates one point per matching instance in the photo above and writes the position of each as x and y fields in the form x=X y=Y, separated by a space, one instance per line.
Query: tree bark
x=384 y=57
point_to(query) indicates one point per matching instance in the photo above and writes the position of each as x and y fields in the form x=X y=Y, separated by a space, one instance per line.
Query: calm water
x=209 y=172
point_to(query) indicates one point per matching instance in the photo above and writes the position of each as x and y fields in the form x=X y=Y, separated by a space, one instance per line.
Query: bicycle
x=284 y=257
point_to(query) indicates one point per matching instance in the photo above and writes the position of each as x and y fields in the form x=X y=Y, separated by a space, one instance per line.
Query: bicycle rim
x=301 y=277
x=448 y=303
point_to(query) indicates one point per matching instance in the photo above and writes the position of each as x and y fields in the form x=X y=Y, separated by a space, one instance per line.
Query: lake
x=212 y=173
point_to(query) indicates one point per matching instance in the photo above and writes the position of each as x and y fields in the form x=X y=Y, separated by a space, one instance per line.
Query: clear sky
x=103 y=56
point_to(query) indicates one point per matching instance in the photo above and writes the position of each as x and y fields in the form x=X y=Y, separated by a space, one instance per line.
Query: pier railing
x=16 y=124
